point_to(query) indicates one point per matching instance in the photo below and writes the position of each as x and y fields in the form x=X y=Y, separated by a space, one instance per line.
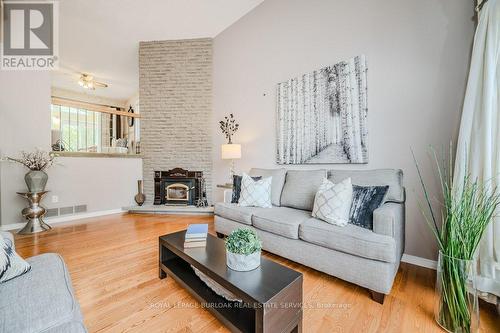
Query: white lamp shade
x=231 y=151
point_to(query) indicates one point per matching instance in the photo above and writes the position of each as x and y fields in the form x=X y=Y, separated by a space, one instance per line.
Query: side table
x=34 y=213
x=226 y=186
x=228 y=191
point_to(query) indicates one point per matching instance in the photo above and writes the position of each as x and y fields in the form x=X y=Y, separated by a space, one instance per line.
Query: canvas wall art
x=322 y=115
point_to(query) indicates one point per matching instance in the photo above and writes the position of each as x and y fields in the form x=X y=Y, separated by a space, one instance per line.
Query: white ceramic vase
x=242 y=262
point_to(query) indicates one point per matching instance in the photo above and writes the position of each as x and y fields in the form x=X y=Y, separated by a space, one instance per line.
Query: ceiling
x=102 y=37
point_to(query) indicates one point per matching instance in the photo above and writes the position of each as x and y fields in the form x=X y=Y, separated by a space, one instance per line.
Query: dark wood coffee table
x=271 y=294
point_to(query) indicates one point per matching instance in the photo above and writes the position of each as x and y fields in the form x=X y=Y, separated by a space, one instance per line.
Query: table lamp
x=231 y=151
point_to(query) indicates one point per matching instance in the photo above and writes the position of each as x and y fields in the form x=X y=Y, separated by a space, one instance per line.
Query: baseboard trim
x=67 y=218
x=419 y=261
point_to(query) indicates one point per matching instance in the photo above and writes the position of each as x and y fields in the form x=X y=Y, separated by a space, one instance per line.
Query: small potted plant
x=37 y=162
x=243 y=248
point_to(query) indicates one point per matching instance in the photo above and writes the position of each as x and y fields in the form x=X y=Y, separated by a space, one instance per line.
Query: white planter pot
x=241 y=262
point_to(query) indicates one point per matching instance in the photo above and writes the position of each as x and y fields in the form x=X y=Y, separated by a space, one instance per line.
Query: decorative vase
x=242 y=262
x=140 y=197
x=36 y=181
x=457 y=308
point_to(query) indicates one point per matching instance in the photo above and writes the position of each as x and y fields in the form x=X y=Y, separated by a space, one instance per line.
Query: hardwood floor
x=113 y=263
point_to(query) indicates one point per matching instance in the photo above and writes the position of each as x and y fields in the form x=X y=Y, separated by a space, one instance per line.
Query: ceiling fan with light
x=87 y=81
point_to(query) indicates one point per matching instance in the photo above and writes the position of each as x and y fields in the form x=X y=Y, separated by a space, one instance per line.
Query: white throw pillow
x=11 y=264
x=255 y=193
x=332 y=202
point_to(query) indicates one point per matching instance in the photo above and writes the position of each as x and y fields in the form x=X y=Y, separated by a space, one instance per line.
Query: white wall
x=24 y=95
x=101 y=183
x=417 y=53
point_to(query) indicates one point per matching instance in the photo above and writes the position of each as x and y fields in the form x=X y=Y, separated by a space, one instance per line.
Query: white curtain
x=479 y=139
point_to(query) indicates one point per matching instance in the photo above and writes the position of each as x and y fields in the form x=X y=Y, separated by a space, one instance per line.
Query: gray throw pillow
x=11 y=264
x=365 y=199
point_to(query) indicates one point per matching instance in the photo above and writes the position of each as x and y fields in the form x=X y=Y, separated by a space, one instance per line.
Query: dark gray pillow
x=237 y=188
x=365 y=199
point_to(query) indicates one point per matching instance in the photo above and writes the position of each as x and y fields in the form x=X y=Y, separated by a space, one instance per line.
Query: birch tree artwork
x=322 y=115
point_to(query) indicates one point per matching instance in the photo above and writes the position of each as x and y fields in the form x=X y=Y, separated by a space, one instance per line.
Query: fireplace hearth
x=178 y=187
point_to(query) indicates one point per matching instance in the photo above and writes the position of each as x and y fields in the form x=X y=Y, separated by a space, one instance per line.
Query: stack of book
x=196 y=235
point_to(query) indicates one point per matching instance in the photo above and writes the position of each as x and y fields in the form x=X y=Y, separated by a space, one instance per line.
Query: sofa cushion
x=378 y=177
x=282 y=221
x=349 y=239
x=278 y=180
x=301 y=187
x=41 y=299
x=236 y=213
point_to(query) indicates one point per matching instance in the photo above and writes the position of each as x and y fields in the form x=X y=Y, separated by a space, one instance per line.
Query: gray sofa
x=358 y=255
x=42 y=300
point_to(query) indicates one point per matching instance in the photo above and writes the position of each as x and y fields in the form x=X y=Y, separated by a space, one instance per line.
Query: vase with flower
x=37 y=162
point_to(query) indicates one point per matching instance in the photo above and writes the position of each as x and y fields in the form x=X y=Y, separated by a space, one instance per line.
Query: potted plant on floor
x=468 y=207
x=37 y=162
x=243 y=248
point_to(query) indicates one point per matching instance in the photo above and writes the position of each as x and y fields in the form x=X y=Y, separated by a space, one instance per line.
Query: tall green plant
x=467 y=208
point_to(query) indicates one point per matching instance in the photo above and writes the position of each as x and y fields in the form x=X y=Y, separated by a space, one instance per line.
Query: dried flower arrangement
x=229 y=127
x=38 y=160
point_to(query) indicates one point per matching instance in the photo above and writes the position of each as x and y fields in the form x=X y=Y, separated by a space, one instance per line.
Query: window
x=89 y=128
x=75 y=129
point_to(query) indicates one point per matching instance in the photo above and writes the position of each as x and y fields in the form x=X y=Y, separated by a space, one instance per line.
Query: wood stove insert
x=177 y=187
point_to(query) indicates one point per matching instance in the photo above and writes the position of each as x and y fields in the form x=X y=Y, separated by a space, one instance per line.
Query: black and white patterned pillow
x=237 y=187
x=255 y=193
x=332 y=202
x=11 y=264
x=365 y=199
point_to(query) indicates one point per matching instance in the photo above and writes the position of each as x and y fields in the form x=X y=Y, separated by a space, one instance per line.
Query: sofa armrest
x=389 y=220
x=9 y=238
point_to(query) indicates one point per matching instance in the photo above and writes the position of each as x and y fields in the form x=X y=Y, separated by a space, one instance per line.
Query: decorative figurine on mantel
x=36 y=179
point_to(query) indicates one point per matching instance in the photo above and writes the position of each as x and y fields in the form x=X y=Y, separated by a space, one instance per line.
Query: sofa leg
x=219 y=235
x=377 y=297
